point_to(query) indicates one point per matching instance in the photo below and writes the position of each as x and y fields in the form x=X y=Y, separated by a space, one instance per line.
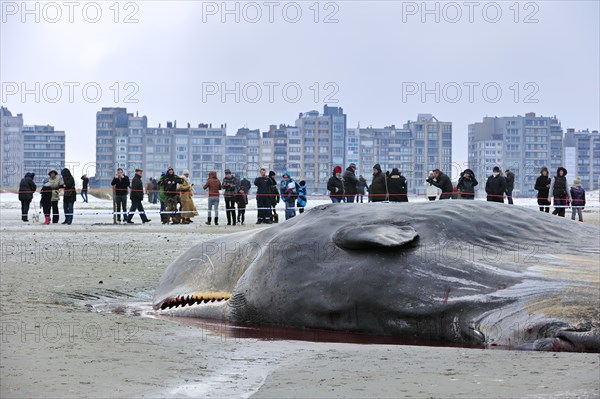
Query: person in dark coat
x=578 y=199
x=263 y=185
x=275 y=197
x=542 y=185
x=54 y=183
x=26 y=189
x=360 y=188
x=231 y=185
x=46 y=200
x=154 y=190
x=137 y=196
x=241 y=199
x=69 y=195
x=85 y=181
x=335 y=185
x=466 y=185
x=120 y=184
x=442 y=181
x=169 y=183
x=495 y=187
x=510 y=185
x=396 y=184
x=245 y=184
x=149 y=186
x=378 y=190
x=560 y=191
x=350 y=182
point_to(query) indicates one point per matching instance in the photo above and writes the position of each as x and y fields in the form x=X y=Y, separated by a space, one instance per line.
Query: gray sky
x=372 y=58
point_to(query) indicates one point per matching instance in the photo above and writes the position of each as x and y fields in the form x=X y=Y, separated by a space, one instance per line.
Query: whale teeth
x=194 y=299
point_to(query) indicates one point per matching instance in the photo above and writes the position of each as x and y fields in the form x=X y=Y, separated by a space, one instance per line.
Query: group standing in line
x=175 y=193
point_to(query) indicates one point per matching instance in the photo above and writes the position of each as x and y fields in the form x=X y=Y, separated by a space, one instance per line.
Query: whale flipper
x=374 y=236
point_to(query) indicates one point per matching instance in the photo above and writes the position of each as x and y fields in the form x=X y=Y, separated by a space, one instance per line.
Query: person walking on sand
x=213 y=185
x=542 y=185
x=137 y=196
x=26 y=189
x=85 y=181
x=69 y=195
x=561 y=194
x=578 y=199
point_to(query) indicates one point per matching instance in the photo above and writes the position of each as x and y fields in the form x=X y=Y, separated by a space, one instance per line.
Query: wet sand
x=74 y=303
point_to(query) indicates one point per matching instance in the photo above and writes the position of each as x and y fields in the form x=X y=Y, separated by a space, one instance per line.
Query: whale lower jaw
x=196 y=304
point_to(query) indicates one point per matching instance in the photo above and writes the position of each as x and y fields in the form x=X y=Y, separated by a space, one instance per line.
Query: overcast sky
x=171 y=60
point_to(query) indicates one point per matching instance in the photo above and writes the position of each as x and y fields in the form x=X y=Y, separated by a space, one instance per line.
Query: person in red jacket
x=213 y=184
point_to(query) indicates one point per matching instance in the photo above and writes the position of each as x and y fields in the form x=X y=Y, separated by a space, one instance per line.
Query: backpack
x=560 y=186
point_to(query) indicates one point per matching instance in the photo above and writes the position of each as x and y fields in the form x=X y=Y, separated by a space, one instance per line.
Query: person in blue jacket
x=302 y=200
x=286 y=179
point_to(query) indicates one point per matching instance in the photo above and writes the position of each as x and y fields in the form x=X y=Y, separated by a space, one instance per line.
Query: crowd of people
x=175 y=193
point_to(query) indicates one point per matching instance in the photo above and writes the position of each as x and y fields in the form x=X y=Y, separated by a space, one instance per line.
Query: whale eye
x=374 y=236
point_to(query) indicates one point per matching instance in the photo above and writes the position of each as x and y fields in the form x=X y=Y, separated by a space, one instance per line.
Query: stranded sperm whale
x=466 y=272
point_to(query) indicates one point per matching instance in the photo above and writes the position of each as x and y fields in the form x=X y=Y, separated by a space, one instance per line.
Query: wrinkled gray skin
x=457 y=272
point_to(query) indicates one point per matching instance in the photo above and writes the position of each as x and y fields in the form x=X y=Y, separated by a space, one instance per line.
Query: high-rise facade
x=28 y=148
x=43 y=149
x=309 y=149
x=431 y=148
x=582 y=157
x=11 y=152
x=124 y=140
x=521 y=143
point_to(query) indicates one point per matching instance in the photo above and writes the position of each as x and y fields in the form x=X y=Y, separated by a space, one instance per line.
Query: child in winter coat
x=301 y=202
x=290 y=195
x=241 y=199
x=577 y=199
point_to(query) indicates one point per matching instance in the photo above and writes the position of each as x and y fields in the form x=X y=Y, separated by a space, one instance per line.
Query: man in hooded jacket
x=378 y=190
x=26 y=189
x=69 y=195
x=560 y=191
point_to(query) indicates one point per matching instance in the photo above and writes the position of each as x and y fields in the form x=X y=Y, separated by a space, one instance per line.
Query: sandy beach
x=76 y=321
